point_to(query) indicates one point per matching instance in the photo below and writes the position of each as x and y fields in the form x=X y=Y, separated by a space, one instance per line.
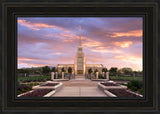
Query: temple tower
x=80 y=62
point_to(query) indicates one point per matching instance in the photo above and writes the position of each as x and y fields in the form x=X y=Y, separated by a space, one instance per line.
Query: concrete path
x=80 y=92
x=80 y=88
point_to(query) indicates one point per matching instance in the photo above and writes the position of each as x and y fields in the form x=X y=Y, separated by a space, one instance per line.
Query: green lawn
x=125 y=78
x=34 y=79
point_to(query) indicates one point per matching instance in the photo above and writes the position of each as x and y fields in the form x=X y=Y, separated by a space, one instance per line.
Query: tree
x=26 y=70
x=90 y=71
x=53 y=69
x=56 y=70
x=70 y=70
x=63 y=69
x=22 y=72
x=126 y=70
x=45 y=70
x=37 y=72
x=105 y=70
x=95 y=71
x=113 y=71
x=119 y=72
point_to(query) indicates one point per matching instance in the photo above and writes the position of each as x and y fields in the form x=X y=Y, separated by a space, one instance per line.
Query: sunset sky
x=111 y=41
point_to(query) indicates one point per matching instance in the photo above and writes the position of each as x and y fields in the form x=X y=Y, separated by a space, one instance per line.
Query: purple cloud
x=112 y=41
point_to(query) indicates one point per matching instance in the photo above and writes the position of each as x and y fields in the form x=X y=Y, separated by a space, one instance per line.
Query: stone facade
x=65 y=66
x=94 y=67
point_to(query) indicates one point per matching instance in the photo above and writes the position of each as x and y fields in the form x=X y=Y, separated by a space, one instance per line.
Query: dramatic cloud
x=111 y=41
x=136 y=33
x=35 y=26
x=123 y=44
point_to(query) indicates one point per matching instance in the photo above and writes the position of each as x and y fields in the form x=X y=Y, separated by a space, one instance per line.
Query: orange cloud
x=124 y=44
x=91 y=43
x=96 y=46
x=58 y=53
x=26 y=59
x=44 y=25
x=131 y=59
x=135 y=33
x=100 y=50
x=35 y=26
x=66 y=36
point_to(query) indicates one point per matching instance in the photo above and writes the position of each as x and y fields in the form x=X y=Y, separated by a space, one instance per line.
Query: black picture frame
x=149 y=10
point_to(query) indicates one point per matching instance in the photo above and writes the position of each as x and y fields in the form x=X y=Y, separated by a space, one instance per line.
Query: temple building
x=80 y=66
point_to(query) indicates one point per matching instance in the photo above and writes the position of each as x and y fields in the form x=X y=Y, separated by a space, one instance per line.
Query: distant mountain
x=36 y=67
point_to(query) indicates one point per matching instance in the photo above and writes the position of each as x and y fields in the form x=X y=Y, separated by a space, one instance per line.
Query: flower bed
x=37 y=93
x=123 y=93
x=50 y=84
x=109 y=84
x=23 y=88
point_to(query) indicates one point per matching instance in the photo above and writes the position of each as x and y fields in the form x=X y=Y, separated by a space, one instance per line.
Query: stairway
x=79 y=77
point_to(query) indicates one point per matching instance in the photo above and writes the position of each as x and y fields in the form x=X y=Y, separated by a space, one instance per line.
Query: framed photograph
x=78 y=56
x=103 y=60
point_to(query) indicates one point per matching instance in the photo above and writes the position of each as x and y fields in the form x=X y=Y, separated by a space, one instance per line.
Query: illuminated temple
x=80 y=66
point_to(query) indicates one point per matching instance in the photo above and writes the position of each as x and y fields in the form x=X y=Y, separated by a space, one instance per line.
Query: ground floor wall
x=75 y=71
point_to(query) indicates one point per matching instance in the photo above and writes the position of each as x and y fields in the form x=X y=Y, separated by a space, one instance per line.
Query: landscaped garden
x=123 y=93
x=34 y=79
x=21 y=88
x=135 y=86
x=50 y=84
x=109 y=84
x=133 y=89
x=37 y=93
x=37 y=89
x=125 y=78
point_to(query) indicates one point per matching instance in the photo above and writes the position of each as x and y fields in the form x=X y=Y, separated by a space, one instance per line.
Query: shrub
x=141 y=91
x=23 y=88
x=33 y=79
x=135 y=85
x=133 y=88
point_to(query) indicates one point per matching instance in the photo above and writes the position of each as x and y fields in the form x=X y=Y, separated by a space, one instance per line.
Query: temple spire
x=80 y=35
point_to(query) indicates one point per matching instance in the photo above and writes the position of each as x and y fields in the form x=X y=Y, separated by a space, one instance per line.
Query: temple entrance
x=80 y=75
x=79 y=71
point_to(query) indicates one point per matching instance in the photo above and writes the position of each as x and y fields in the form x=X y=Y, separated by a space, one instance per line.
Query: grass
x=34 y=79
x=31 y=84
x=125 y=78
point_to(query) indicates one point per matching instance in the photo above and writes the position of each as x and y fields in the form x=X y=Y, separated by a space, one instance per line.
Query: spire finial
x=80 y=35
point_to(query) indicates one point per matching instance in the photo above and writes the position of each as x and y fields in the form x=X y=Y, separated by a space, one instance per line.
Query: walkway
x=80 y=88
